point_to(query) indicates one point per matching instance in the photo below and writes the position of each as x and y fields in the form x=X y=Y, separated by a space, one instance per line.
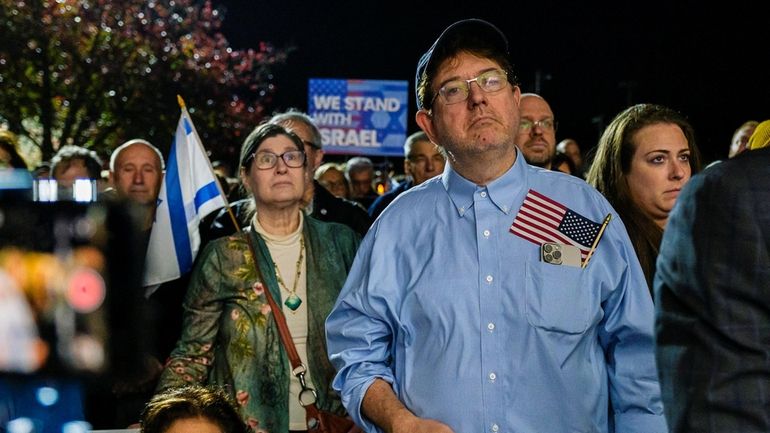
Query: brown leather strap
x=280 y=319
x=311 y=411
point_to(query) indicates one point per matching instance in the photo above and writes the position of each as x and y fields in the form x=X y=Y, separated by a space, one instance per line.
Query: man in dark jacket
x=422 y=161
x=712 y=296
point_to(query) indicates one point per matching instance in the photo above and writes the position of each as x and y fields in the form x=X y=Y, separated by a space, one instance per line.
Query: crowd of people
x=436 y=303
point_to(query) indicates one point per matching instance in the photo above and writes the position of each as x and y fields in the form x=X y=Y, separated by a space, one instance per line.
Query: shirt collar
x=502 y=191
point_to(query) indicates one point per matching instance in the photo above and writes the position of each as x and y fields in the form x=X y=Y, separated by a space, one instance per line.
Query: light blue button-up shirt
x=472 y=329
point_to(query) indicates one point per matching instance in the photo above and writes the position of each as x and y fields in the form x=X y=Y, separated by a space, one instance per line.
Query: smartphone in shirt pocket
x=560 y=254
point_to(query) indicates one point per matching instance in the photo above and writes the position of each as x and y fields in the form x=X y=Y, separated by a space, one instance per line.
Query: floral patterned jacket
x=229 y=337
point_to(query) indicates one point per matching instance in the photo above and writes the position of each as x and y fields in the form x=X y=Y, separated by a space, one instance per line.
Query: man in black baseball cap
x=473 y=35
x=450 y=322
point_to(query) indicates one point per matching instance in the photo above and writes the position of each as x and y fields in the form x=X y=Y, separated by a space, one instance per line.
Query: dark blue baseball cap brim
x=470 y=33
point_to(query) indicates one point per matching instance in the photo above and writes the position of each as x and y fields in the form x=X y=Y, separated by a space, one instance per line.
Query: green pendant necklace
x=293 y=301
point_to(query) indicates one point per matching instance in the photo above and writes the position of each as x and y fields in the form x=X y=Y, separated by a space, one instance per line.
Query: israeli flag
x=189 y=192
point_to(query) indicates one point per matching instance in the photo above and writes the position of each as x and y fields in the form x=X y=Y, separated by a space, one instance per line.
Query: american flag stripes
x=541 y=219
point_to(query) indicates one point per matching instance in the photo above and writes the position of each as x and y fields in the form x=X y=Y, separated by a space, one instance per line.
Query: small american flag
x=541 y=220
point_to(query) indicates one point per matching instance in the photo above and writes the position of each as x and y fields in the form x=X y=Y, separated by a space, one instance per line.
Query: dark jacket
x=712 y=295
x=384 y=200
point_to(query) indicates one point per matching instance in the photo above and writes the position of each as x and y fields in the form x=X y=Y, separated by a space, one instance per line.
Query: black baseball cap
x=469 y=33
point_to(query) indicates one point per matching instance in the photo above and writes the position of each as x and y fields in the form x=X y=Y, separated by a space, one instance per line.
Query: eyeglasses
x=268 y=160
x=458 y=90
x=545 y=124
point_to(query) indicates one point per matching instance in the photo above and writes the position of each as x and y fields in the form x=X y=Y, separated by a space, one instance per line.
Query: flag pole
x=183 y=106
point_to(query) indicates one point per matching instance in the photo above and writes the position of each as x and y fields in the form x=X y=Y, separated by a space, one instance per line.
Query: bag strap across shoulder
x=298 y=369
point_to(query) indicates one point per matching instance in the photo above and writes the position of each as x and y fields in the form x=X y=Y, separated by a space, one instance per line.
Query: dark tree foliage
x=98 y=72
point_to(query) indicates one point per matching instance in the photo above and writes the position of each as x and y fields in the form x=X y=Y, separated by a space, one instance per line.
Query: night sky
x=589 y=60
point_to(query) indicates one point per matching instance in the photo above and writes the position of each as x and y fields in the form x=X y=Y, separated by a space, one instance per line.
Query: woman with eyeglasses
x=644 y=158
x=229 y=335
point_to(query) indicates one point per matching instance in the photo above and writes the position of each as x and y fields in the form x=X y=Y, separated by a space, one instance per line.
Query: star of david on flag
x=541 y=219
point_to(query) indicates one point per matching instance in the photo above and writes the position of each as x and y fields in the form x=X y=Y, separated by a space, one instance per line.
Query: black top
x=384 y=200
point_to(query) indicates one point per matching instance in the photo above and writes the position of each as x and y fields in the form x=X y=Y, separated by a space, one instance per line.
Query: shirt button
x=491 y=326
x=494 y=428
x=492 y=376
x=486 y=233
x=483 y=193
x=489 y=279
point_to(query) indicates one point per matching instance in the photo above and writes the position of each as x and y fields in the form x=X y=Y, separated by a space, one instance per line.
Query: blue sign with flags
x=361 y=117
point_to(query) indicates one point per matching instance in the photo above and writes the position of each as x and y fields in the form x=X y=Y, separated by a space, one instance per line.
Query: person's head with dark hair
x=476 y=37
x=192 y=409
x=270 y=151
x=563 y=163
x=74 y=162
x=644 y=158
x=570 y=147
x=9 y=154
x=468 y=101
x=42 y=170
x=250 y=148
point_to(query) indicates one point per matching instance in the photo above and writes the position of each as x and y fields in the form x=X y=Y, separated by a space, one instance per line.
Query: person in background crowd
x=422 y=161
x=192 y=409
x=449 y=320
x=136 y=173
x=712 y=299
x=741 y=136
x=570 y=147
x=15 y=178
x=644 y=158
x=760 y=137
x=563 y=163
x=9 y=153
x=74 y=162
x=359 y=171
x=537 y=131
x=332 y=177
x=42 y=170
x=222 y=168
x=229 y=337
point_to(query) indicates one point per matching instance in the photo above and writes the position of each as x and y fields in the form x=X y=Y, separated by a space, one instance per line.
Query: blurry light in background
x=47 y=396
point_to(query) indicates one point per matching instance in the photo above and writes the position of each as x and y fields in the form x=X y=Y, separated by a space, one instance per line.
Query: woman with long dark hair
x=644 y=158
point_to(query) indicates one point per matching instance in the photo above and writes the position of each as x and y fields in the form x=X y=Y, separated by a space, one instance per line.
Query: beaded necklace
x=293 y=301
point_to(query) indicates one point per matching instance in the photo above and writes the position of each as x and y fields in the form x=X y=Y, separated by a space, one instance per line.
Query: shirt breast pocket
x=556 y=298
